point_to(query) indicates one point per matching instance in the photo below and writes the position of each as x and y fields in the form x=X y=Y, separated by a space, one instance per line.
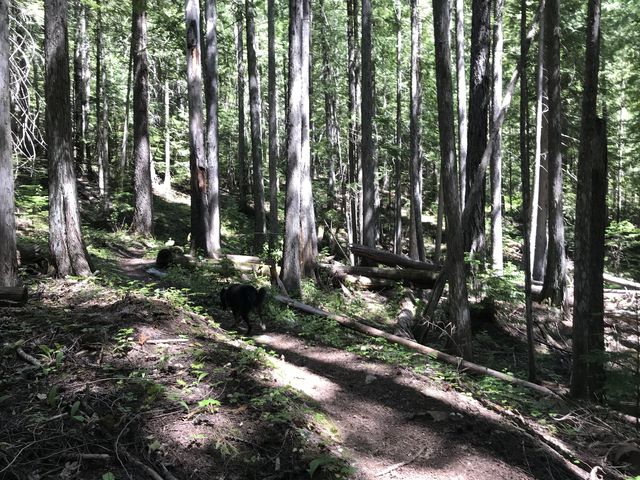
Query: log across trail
x=427 y=351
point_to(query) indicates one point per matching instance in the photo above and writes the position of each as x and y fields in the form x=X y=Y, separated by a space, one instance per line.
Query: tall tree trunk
x=539 y=211
x=478 y=115
x=65 y=236
x=81 y=87
x=369 y=161
x=496 y=155
x=462 y=102
x=211 y=193
x=143 y=197
x=416 y=237
x=621 y=152
x=242 y=148
x=102 y=112
x=458 y=301
x=437 y=249
x=330 y=108
x=526 y=192
x=273 y=130
x=291 y=274
x=397 y=231
x=308 y=235
x=167 y=138
x=8 y=256
x=555 y=278
x=354 y=128
x=255 y=106
x=587 y=374
x=197 y=160
x=125 y=128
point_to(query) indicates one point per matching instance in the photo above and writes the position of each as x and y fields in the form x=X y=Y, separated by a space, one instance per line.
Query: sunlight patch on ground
x=286 y=374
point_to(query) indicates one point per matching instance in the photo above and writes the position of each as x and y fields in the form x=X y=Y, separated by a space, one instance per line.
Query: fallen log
x=623 y=282
x=391 y=259
x=406 y=319
x=13 y=296
x=427 y=351
x=422 y=278
x=366 y=283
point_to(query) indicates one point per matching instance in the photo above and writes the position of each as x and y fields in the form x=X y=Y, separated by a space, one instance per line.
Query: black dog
x=242 y=299
x=164 y=258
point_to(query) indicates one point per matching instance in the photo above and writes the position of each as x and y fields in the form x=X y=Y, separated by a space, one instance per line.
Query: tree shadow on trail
x=388 y=416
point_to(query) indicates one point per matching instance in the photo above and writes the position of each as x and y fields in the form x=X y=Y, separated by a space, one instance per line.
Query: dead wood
x=28 y=358
x=555 y=448
x=13 y=296
x=621 y=281
x=391 y=259
x=362 y=282
x=422 y=278
x=427 y=351
x=406 y=319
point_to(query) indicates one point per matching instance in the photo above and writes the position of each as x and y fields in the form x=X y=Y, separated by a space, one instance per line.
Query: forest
x=258 y=239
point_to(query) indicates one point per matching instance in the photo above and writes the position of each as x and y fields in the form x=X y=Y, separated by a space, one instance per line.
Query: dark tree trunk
x=308 y=235
x=125 y=128
x=197 y=160
x=102 y=112
x=211 y=193
x=291 y=274
x=8 y=256
x=81 y=87
x=369 y=162
x=255 y=106
x=397 y=231
x=526 y=193
x=496 y=155
x=588 y=375
x=416 y=237
x=354 y=127
x=458 y=301
x=143 y=197
x=65 y=236
x=242 y=148
x=478 y=116
x=555 y=278
x=273 y=131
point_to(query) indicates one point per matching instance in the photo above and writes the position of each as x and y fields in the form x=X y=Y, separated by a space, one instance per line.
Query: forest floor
x=124 y=375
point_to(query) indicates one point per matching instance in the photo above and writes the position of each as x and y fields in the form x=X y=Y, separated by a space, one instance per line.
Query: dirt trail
x=388 y=416
x=393 y=423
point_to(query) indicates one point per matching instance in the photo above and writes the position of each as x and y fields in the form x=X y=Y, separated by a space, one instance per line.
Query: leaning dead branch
x=427 y=351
